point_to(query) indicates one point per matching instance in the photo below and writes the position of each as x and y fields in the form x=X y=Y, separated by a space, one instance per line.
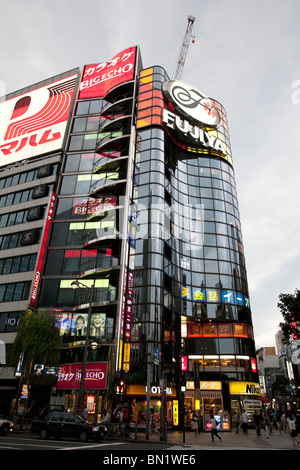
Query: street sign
x=156 y=356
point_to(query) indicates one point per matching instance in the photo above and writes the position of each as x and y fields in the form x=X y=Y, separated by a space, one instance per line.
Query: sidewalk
x=230 y=441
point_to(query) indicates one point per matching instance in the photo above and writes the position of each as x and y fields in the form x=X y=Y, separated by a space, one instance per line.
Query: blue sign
x=156 y=353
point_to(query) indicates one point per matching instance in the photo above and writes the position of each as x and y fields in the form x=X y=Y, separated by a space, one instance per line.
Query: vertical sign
x=42 y=251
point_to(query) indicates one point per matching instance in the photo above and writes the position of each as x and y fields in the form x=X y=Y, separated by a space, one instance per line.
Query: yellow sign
x=175 y=413
x=210 y=385
x=126 y=352
x=190 y=385
x=244 y=388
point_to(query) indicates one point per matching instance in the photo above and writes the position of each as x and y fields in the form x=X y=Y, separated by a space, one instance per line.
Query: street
x=20 y=441
x=176 y=444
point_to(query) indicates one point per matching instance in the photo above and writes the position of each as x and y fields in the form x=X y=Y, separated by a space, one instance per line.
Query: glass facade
x=188 y=256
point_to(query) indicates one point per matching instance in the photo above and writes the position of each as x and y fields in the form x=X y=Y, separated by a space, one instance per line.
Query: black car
x=59 y=424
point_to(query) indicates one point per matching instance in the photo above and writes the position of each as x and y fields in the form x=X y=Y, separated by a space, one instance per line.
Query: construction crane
x=184 y=48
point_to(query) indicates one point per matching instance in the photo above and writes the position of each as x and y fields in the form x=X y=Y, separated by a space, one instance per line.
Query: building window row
x=20 y=217
x=89 y=107
x=16 y=240
x=227 y=363
x=14 y=292
x=28 y=176
x=17 y=264
x=217 y=329
x=25 y=196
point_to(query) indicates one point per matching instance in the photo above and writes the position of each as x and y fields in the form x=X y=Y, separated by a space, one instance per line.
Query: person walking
x=267 y=421
x=283 y=422
x=291 y=423
x=153 y=422
x=195 y=422
x=214 y=431
x=244 y=419
x=256 y=421
x=236 y=422
x=278 y=422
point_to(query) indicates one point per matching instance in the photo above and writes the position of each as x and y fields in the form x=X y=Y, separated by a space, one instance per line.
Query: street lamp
x=79 y=285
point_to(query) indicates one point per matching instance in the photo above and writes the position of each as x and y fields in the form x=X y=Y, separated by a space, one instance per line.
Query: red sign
x=42 y=251
x=83 y=206
x=69 y=376
x=35 y=122
x=98 y=79
x=184 y=363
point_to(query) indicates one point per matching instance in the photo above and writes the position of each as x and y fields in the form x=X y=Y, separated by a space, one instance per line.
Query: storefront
x=245 y=395
x=136 y=396
x=206 y=399
x=95 y=386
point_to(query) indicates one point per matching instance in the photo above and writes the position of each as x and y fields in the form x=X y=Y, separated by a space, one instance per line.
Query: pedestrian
x=214 y=431
x=85 y=414
x=297 y=419
x=256 y=421
x=106 y=417
x=115 y=414
x=121 y=418
x=291 y=422
x=267 y=421
x=278 y=422
x=153 y=421
x=195 y=422
x=244 y=420
x=283 y=422
x=236 y=422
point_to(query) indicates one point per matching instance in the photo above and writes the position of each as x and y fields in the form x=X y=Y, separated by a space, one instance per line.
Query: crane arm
x=184 y=48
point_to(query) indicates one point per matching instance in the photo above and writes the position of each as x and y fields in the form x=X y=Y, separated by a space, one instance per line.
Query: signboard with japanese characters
x=98 y=79
x=198 y=294
x=69 y=376
x=35 y=122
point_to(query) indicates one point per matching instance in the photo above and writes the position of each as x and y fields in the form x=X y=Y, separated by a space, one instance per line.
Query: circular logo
x=191 y=103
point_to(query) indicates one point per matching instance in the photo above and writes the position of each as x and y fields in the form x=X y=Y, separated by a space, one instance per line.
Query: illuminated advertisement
x=69 y=376
x=75 y=324
x=193 y=104
x=98 y=79
x=244 y=388
x=35 y=122
x=88 y=206
x=42 y=251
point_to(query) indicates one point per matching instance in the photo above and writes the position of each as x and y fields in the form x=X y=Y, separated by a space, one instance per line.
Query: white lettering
x=199 y=135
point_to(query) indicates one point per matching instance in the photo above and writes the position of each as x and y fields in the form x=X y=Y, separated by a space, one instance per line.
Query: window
x=14 y=292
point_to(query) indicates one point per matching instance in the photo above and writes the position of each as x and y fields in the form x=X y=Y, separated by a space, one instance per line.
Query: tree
x=289 y=305
x=37 y=342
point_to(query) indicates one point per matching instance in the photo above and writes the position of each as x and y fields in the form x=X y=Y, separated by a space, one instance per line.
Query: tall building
x=136 y=201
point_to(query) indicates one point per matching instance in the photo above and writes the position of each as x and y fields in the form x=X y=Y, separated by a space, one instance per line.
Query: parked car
x=59 y=424
x=6 y=425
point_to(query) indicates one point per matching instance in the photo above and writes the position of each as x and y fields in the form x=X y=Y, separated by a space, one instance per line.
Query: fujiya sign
x=197 y=134
x=199 y=111
x=191 y=103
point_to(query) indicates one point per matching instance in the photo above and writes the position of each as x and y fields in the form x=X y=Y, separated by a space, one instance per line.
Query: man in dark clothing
x=256 y=421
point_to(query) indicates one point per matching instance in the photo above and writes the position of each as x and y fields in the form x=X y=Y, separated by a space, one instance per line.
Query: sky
x=245 y=55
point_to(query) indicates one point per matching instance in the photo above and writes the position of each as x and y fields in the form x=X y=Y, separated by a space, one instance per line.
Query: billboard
x=98 y=79
x=34 y=122
x=69 y=376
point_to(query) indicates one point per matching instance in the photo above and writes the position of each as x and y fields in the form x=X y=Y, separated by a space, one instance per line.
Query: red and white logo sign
x=35 y=122
x=98 y=79
x=69 y=376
